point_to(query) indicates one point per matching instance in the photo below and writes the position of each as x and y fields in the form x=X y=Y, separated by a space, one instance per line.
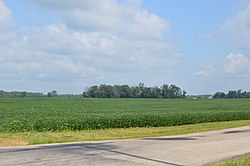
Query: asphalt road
x=192 y=149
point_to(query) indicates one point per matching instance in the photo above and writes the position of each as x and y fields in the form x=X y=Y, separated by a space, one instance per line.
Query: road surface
x=193 y=149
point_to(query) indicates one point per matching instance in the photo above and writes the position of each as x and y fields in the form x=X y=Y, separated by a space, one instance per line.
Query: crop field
x=21 y=115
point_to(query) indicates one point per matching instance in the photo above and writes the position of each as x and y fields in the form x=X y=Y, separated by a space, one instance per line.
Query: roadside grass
x=32 y=138
x=238 y=161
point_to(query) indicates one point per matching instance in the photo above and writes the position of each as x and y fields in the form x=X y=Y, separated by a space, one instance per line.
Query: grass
x=238 y=161
x=42 y=115
x=31 y=138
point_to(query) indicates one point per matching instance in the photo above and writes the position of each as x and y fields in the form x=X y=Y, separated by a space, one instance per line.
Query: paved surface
x=192 y=149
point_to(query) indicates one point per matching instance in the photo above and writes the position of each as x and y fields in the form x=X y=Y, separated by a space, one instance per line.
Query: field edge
x=234 y=161
x=34 y=138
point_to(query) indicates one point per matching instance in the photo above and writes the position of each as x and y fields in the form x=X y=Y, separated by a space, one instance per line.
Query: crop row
x=48 y=123
x=20 y=115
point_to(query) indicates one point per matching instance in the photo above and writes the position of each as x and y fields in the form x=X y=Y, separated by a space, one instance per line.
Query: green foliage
x=24 y=94
x=15 y=94
x=232 y=94
x=140 y=91
x=58 y=114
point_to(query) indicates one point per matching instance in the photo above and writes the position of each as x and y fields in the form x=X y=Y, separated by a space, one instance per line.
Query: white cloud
x=232 y=72
x=233 y=65
x=201 y=74
x=108 y=16
x=238 y=28
x=237 y=64
x=6 y=20
x=99 y=43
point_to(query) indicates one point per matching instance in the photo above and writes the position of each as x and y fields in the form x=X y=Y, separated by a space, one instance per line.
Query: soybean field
x=55 y=114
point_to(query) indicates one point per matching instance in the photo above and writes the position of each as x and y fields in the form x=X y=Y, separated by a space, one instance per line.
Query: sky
x=201 y=46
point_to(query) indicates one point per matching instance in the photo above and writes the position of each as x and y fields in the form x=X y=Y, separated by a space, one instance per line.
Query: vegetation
x=15 y=94
x=140 y=91
x=108 y=91
x=30 y=138
x=55 y=114
x=24 y=94
x=243 y=160
x=232 y=94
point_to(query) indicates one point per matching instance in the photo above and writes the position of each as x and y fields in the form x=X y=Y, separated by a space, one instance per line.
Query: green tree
x=219 y=95
x=232 y=94
x=165 y=91
x=93 y=91
x=23 y=94
x=155 y=92
x=52 y=94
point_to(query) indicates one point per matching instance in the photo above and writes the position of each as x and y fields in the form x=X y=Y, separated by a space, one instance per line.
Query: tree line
x=107 y=91
x=124 y=91
x=232 y=94
x=23 y=94
x=139 y=91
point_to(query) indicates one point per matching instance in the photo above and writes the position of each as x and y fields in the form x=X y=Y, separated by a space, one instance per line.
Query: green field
x=21 y=115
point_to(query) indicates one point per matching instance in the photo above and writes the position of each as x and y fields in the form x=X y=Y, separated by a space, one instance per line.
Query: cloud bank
x=233 y=65
x=237 y=29
x=233 y=69
x=95 y=42
x=6 y=20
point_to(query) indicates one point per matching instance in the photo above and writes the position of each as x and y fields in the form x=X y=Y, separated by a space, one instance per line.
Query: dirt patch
x=13 y=143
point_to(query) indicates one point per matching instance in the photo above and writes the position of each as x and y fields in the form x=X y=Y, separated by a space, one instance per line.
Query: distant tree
x=49 y=94
x=93 y=91
x=54 y=93
x=106 y=91
x=125 y=91
x=23 y=94
x=184 y=93
x=232 y=94
x=239 y=94
x=140 y=91
x=172 y=91
x=219 y=95
x=137 y=90
x=155 y=92
x=165 y=91
x=146 y=93
x=2 y=94
x=175 y=91
x=245 y=94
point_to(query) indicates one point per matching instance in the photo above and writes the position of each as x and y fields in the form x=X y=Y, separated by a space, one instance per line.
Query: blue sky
x=201 y=46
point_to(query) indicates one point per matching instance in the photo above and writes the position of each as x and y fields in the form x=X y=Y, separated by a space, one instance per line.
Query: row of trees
x=140 y=91
x=124 y=91
x=15 y=94
x=232 y=94
x=24 y=94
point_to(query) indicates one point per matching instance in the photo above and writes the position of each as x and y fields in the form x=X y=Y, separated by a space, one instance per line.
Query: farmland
x=22 y=115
